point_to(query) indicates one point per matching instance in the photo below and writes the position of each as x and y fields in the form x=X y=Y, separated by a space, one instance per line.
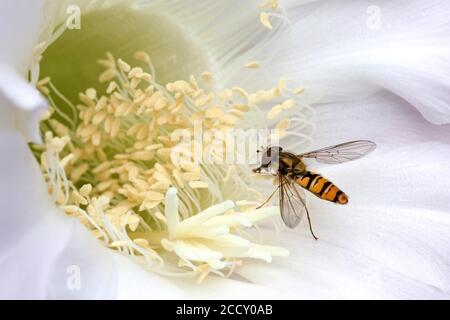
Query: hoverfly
x=292 y=172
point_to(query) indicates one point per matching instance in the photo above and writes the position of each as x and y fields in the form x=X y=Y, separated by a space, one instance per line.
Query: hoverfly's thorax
x=291 y=165
x=299 y=168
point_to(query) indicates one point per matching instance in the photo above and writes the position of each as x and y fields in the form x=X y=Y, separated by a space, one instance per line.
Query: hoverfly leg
x=310 y=224
x=268 y=199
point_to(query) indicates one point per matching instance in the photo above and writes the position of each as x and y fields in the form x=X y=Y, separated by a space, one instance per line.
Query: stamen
x=264 y=19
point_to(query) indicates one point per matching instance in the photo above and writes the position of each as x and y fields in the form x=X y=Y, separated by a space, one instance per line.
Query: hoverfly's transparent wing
x=292 y=202
x=343 y=152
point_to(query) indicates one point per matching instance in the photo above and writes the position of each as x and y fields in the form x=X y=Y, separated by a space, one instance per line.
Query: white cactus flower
x=124 y=220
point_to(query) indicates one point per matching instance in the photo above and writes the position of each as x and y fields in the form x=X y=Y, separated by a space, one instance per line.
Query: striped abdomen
x=321 y=187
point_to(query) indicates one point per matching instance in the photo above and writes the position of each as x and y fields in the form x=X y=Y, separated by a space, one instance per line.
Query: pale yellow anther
x=238 y=113
x=88 y=131
x=213 y=112
x=274 y=112
x=253 y=100
x=265 y=21
x=142 y=56
x=240 y=91
x=104 y=185
x=101 y=167
x=85 y=190
x=99 y=117
x=107 y=124
x=91 y=93
x=133 y=222
x=86 y=99
x=161 y=103
x=43 y=81
x=149 y=205
x=193 y=83
x=283 y=124
x=154 y=196
x=198 y=185
x=226 y=94
x=143 y=155
x=87 y=115
x=135 y=72
x=288 y=104
x=67 y=159
x=152 y=100
x=120 y=97
x=108 y=64
x=190 y=176
x=202 y=100
x=162 y=178
x=79 y=171
x=273 y=4
x=207 y=77
x=229 y=119
x=101 y=103
x=190 y=167
x=298 y=90
x=46 y=115
x=252 y=65
x=44 y=90
x=160 y=216
x=164 y=153
x=282 y=83
x=134 y=129
x=118 y=244
x=112 y=87
x=142 y=133
x=107 y=75
x=241 y=107
x=125 y=67
x=70 y=208
x=77 y=198
x=58 y=144
x=153 y=147
x=115 y=128
x=141 y=242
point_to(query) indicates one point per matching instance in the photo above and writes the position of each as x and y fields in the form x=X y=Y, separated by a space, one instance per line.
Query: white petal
x=384 y=118
x=224 y=29
x=21 y=105
x=347 y=49
x=391 y=240
x=38 y=244
x=19 y=31
x=137 y=283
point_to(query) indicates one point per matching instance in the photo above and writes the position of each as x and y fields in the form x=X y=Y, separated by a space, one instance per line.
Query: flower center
x=123 y=30
x=112 y=159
